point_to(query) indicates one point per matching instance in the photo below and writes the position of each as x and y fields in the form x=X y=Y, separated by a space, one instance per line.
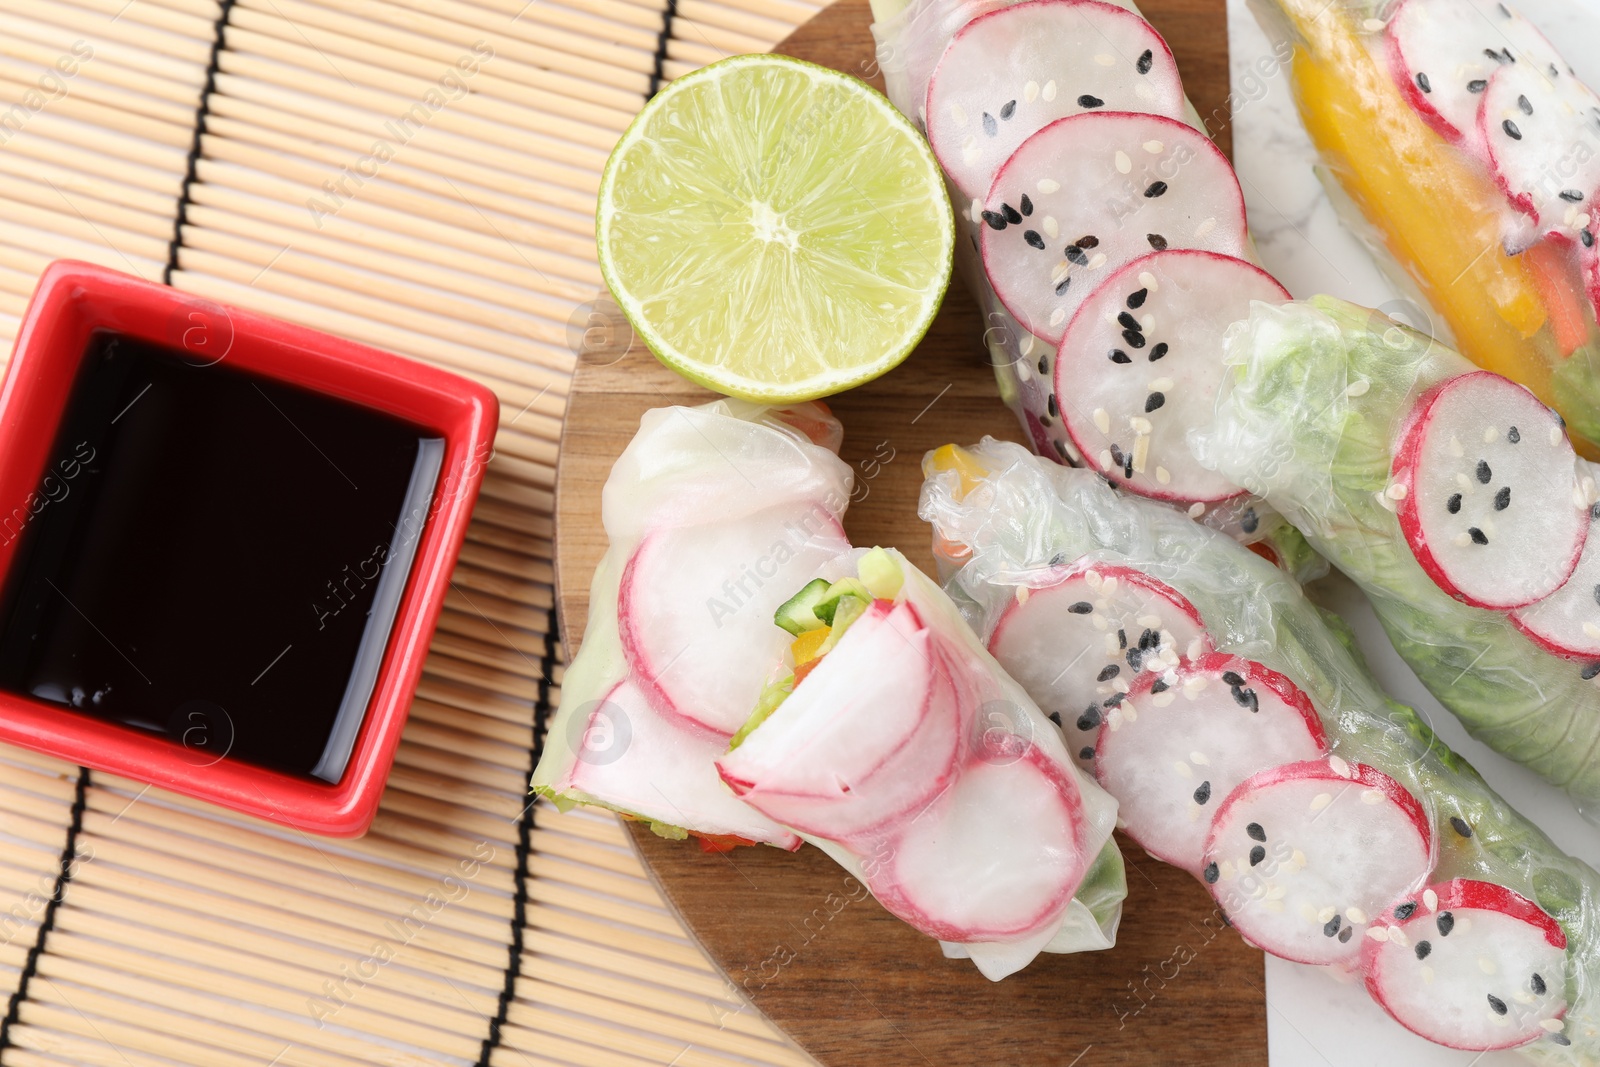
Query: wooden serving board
x=850 y=983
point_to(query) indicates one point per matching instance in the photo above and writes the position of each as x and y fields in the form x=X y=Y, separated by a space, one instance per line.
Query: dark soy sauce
x=214 y=557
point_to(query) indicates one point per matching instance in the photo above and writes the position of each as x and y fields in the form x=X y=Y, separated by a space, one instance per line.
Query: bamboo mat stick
x=689 y=45
x=721 y=39
x=62 y=1027
x=369 y=331
x=658 y=1050
x=787 y=13
x=566 y=1051
x=497 y=658
x=79 y=186
x=483 y=966
x=531 y=616
x=407 y=812
x=144 y=94
x=412 y=167
x=445 y=39
x=37 y=760
x=512 y=540
x=192 y=25
x=476 y=627
x=550 y=950
x=426 y=712
x=59 y=246
x=577 y=850
x=438 y=761
x=109 y=143
x=474 y=674
x=62 y=229
x=110 y=218
x=754 y=25
x=464 y=794
x=629 y=888
x=210 y=10
x=81 y=106
x=583 y=928
x=32 y=146
x=530 y=594
x=460 y=743
x=557 y=894
x=69 y=1038
x=477 y=701
x=588 y=823
x=522 y=443
x=370 y=1010
x=493 y=76
x=542 y=474
x=128 y=40
x=667 y=1017
x=519 y=493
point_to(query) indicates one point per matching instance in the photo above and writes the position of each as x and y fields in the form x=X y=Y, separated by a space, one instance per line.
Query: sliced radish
x=1443 y=53
x=1489 y=493
x=1303 y=856
x=1140 y=364
x=1082 y=639
x=696 y=603
x=995 y=857
x=637 y=758
x=1009 y=73
x=1532 y=117
x=1184 y=740
x=1470 y=965
x=1089 y=193
x=873 y=731
x=1567 y=622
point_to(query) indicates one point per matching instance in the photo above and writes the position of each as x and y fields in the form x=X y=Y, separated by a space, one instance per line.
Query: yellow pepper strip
x=804 y=647
x=955 y=458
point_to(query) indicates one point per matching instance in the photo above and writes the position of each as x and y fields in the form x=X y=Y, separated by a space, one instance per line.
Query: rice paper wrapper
x=1014 y=529
x=729 y=504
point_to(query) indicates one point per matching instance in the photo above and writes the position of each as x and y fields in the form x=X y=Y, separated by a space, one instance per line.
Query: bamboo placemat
x=418 y=175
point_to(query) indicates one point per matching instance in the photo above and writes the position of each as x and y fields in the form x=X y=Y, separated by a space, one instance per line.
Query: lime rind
x=804 y=194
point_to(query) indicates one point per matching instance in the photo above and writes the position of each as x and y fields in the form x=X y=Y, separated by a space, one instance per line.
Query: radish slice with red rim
x=1141 y=362
x=1011 y=72
x=1080 y=640
x=1470 y=965
x=1529 y=119
x=1489 y=493
x=1088 y=194
x=1302 y=857
x=1184 y=740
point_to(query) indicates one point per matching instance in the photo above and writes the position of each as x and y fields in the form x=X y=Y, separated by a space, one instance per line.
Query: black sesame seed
x=1012 y=215
x=1561 y=1039
x=1477 y=535
x=1044 y=364
x=995 y=220
x=1154 y=401
x=1511 y=130
x=1477 y=85
x=1149 y=639
x=1445 y=922
x=1255 y=701
x=1484 y=473
x=1113 y=700
x=1116 y=455
x=1075 y=254
x=1514 y=435
x=1507 y=56
x=1496 y=1005
x=1406 y=910
x=1086 y=752
x=1135 y=658
x=1146 y=61
x=1133 y=338
x=1453 y=505
x=1257 y=854
x=1127 y=466
x=1090 y=101
x=1211 y=874
x=1587 y=237
x=1588 y=673
x=1202 y=794
x=1251 y=521
x=1422 y=82
x=1572 y=196
x=1346 y=934
x=1129 y=322
x=1061 y=286
x=1527 y=108
x=1089 y=719
x=1232 y=678
x=1009 y=109
x=1055 y=409
x=1159 y=686
x=1082 y=607
x=1241 y=696
x=1502 y=499
x=1136 y=298
x=1108 y=672
x=1492 y=54
x=1460 y=826
x=1504 y=10
x=1155 y=189
x=1089 y=241
x=990 y=126
x=1331 y=927
x=1537 y=984
x=1055 y=717
x=1422 y=950
x=1033 y=238
x=1157 y=242
x=1158 y=351
x=1026 y=205
x=1256 y=832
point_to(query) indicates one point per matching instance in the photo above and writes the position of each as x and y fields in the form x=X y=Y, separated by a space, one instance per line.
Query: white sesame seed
x=1050 y=226
x=1591 y=631
x=1372 y=796
x=1463 y=481
x=1023 y=592
x=1148 y=280
x=1427 y=975
x=1121 y=686
x=1486 y=965
x=1163 y=476
x=1383 y=500
x=1327 y=914
x=1183 y=769
x=1047 y=185
x=1049 y=92
x=1205 y=227
x=1161 y=384
x=1358 y=387
x=969 y=153
x=1373 y=25
x=1113 y=647
x=1058 y=316
x=1355 y=914
x=1149 y=622
x=1124 y=164
x=1129 y=712
x=1455 y=446
x=1397 y=491
x=1398 y=936
x=1430 y=900
x=1143 y=91
x=1196 y=648
x=1377 y=933
x=1092 y=577
x=1161 y=700
x=1140 y=424
x=1105 y=60
x=1321 y=800
x=1099 y=622
x=1298 y=859
x=958 y=115
x=1030 y=92
x=1555 y=434
x=1061 y=270
x=1102 y=422
x=1270 y=905
x=1196 y=510
x=1153 y=147
x=1340 y=767
x=1097 y=261
x=1105 y=457
x=976 y=212
x=1199 y=759
x=1554 y=1026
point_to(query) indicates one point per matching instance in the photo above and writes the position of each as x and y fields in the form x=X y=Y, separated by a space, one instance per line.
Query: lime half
x=775 y=230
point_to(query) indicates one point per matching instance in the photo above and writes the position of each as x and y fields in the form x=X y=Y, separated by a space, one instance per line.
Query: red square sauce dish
x=224 y=544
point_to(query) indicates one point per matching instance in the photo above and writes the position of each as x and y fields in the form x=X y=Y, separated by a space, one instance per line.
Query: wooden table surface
x=850 y=983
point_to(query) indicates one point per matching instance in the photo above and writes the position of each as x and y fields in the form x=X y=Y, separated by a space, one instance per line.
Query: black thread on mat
x=541 y=712
x=667 y=18
x=191 y=164
x=69 y=853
